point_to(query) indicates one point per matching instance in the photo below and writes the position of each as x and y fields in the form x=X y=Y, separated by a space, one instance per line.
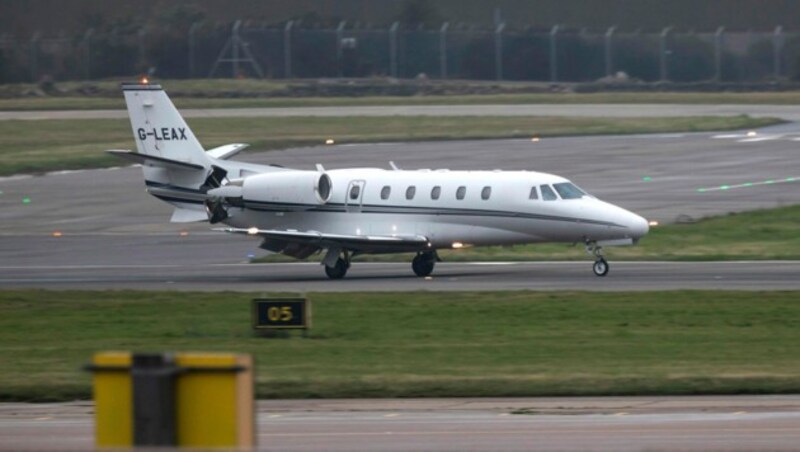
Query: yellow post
x=113 y=400
x=214 y=404
x=215 y=401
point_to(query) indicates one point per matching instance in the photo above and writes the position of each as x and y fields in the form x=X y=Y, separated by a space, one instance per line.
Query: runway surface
x=612 y=423
x=391 y=277
x=788 y=112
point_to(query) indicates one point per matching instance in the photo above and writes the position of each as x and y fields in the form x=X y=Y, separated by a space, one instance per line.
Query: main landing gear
x=424 y=262
x=600 y=267
x=339 y=269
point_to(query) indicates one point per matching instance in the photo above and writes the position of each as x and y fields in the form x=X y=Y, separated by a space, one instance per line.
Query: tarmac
x=684 y=423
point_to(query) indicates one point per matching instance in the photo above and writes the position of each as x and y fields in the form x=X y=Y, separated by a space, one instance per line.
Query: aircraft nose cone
x=638 y=226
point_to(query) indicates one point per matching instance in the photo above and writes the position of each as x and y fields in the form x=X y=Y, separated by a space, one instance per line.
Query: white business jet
x=346 y=212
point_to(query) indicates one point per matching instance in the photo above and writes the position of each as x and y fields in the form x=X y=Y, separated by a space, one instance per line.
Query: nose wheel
x=600 y=267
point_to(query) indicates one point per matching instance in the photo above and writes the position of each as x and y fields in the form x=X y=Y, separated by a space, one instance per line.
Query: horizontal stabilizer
x=152 y=160
x=227 y=151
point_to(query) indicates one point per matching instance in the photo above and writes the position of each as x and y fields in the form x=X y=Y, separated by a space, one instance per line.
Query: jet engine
x=290 y=190
x=296 y=190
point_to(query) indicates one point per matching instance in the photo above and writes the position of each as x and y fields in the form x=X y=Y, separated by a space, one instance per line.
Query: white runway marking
x=761 y=138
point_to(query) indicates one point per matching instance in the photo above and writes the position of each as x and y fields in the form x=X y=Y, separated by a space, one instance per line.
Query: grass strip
x=423 y=344
x=229 y=93
x=37 y=146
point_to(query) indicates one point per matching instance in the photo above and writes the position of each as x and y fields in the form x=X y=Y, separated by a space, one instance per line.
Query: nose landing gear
x=600 y=267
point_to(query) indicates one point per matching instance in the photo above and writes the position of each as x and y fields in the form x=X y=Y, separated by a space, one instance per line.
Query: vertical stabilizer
x=176 y=168
x=158 y=128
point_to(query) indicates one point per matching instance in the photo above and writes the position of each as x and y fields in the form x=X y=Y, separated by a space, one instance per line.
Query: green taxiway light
x=724 y=187
x=647 y=179
x=26 y=200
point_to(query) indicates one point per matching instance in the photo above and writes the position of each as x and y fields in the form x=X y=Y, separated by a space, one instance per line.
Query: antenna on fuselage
x=394 y=167
x=320 y=168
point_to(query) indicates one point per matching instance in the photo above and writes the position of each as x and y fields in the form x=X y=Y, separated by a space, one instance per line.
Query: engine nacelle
x=291 y=189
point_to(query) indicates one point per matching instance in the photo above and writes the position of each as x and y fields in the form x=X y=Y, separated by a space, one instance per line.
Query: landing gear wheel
x=600 y=267
x=423 y=264
x=338 y=270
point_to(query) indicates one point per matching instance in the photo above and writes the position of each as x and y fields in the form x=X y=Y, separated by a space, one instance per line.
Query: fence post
x=393 y=49
x=664 y=52
x=443 y=50
x=777 y=51
x=498 y=51
x=35 y=56
x=287 y=49
x=87 y=44
x=339 y=53
x=140 y=36
x=553 y=54
x=718 y=38
x=192 y=31
x=608 y=51
x=235 y=49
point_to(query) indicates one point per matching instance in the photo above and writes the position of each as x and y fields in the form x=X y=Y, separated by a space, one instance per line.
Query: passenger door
x=354 y=196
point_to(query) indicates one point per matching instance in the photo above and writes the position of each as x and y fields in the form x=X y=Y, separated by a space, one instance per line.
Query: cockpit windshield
x=568 y=190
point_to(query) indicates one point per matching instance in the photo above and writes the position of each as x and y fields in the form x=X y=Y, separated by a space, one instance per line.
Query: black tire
x=600 y=267
x=423 y=264
x=338 y=270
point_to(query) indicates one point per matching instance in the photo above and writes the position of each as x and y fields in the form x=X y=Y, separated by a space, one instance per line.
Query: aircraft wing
x=366 y=243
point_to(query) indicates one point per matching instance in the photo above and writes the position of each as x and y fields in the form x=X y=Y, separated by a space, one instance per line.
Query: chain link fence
x=554 y=55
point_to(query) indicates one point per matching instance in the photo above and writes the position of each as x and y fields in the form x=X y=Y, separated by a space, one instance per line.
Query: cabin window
x=547 y=193
x=486 y=193
x=568 y=191
x=461 y=192
x=355 y=190
x=410 y=192
x=385 y=192
x=436 y=192
x=534 y=194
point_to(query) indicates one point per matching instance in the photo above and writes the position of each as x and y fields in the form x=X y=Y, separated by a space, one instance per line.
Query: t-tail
x=176 y=168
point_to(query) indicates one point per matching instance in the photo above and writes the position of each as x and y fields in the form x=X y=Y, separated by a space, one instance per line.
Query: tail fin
x=176 y=168
x=158 y=127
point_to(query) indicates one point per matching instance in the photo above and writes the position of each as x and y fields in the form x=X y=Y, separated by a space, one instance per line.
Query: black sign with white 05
x=281 y=313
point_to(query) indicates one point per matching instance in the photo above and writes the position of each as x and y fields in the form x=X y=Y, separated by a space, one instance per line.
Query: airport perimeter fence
x=557 y=54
